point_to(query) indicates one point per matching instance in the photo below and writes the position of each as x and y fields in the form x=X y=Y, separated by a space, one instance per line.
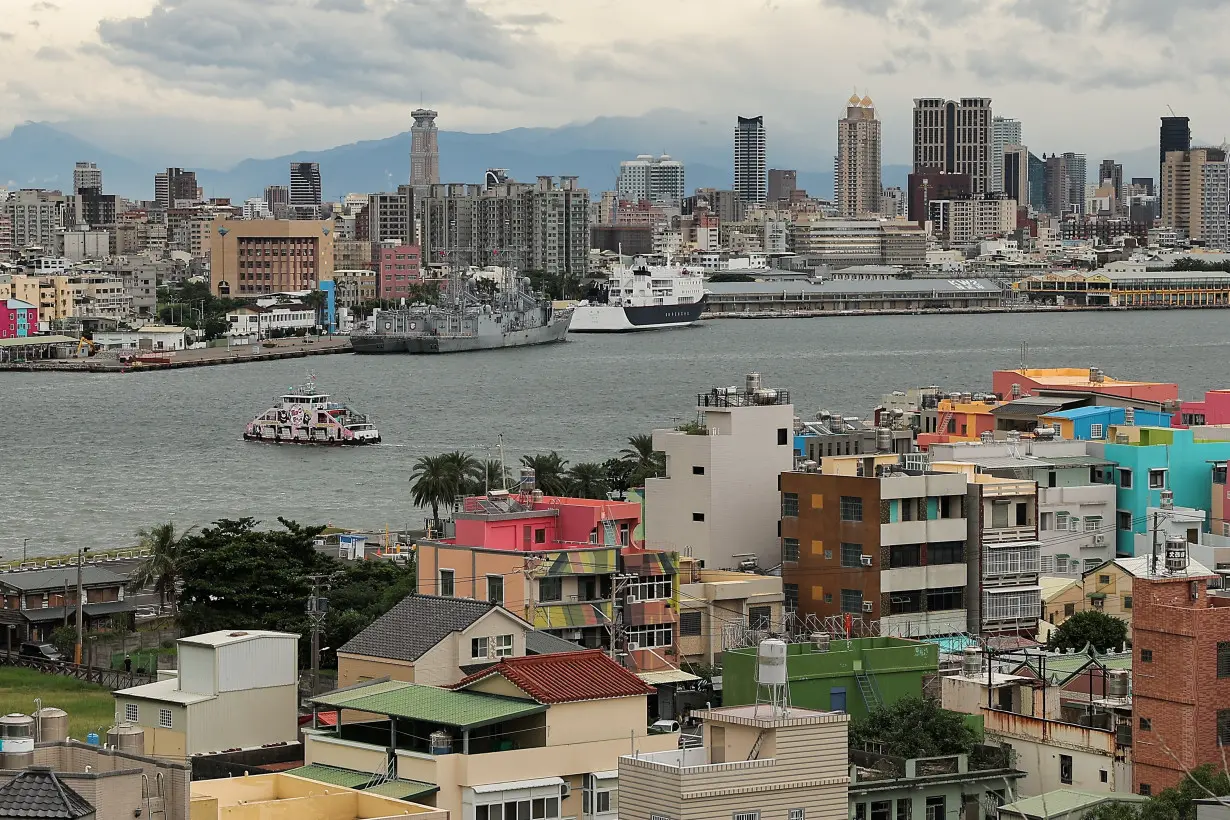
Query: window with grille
x=935 y=808
x=1061 y=520
x=1223 y=659
x=746 y=815
x=790 y=594
x=790 y=550
x=651 y=635
x=164 y=718
x=797 y=814
x=1093 y=523
x=131 y=713
x=790 y=505
x=851 y=555
x=1123 y=520
x=1146 y=656
x=851 y=508
x=1095 y=431
x=1012 y=561
x=851 y=600
x=1010 y=606
x=689 y=624
x=760 y=617
x=1047 y=564
x=1223 y=727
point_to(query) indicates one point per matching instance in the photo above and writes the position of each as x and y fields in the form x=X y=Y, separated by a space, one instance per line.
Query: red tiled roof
x=566 y=677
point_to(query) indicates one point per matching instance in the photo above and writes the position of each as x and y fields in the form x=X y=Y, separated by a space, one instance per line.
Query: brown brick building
x=1180 y=672
x=255 y=256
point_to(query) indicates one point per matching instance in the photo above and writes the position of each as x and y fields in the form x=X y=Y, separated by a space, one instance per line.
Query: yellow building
x=288 y=797
x=714 y=602
x=21 y=287
x=1106 y=588
x=254 y=256
x=540 y=736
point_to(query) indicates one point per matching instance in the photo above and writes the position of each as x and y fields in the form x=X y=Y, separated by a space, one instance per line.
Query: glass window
x=790 y=505
x=698 y=516
x=1125 y=478
x=131 y=713
x=1157 y=479
x=851 y=555
x=1095 y=431
x=905 y=555
x=164 y=718
x=551 y=589
x=446 y=583
x=851 y=600
x=790 y=550
x=881 y=809
x=502 y=646
x=540 y=536
x=946 y=552
x=690 y=623
x=650 y=588
x=697 y=470
x=935 y=808
x=851 y=508
x=1123 y=520
x=495 y=589
x=760 y=617
x=905 y=808
x=791 y=593
x=1223 y=659
x=1146 y=724
x=651 y=635
x=1065 y=769
x=478 y=647
x=945 y=598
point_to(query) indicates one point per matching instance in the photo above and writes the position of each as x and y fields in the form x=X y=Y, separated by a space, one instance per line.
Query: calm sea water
x=88 y=459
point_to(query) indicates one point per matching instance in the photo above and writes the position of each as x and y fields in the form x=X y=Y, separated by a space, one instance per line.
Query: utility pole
x=317 y=609
x=615 y=626
x=80 y=605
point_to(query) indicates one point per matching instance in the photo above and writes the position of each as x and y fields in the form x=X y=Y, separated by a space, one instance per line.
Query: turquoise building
x=1152 y=459
x=1092 y=423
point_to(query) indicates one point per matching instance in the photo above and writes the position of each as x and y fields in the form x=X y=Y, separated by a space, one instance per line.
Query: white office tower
x=1004 y=132
x=647 y=178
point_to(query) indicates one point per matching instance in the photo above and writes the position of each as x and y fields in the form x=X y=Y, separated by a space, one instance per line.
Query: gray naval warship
x=472 y=315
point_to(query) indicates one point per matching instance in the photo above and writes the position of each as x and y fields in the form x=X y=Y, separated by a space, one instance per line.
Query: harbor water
x=88 y=459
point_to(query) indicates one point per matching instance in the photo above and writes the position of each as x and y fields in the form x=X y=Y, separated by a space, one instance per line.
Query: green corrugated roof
x=463 y=710
x=349 y=779
x=1065 y=801
x=1066 y=665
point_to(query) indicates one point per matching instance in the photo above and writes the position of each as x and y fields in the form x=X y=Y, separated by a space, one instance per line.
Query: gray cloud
x=279 y=51
x=45 y=6
x=52 y=55
x=539 y=19
x=7 y=37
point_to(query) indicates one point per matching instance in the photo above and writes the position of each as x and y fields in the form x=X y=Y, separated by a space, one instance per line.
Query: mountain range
x=41 y=155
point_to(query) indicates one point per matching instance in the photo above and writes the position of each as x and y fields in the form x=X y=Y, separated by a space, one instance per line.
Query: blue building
x=1092 y=423
x=329 y=289
x=1152 y=459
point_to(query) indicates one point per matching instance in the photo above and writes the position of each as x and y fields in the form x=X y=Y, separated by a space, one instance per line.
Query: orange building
x=1012 y=384
x=957 y=420
x=253 y=256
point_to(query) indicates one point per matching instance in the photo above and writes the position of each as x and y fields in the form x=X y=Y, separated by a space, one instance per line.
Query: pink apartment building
x=397 y=268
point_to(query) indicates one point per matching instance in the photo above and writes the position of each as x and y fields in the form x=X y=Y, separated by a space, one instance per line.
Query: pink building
x=18 y=319
x=1011 y=384
x=538 y=523
x=397 y=268
x=1214 y=409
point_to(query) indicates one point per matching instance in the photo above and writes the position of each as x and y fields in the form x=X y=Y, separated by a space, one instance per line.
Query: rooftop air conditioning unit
x=868 y=606
x=865 y=559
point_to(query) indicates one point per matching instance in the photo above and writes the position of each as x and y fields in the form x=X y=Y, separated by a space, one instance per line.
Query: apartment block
x=35 y=216
x=867 y=540
x=858 y=160
x=354 y=287
x=721 y=608
x=1179 y=625
x=1195 y=189
x=751 y=183
x=269 y=256
x=390 y=217
x=717 y=501
x=955 y=137
x=755 y=762
x=961 y=222
x=1005 y=596
x=398 y=267
x=651 y=179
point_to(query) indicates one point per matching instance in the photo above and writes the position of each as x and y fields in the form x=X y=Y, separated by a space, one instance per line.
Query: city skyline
x=135 y=58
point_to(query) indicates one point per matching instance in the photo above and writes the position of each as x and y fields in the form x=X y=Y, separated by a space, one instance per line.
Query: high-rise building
x=390 y=217
x=174 y=186
x=892 y=203
x=1175 y=135
x=1038 y=192
x=1077 y=180
x=1057 y=192
x=1112 y=172
x=647 y=178
x=926 y=185
x=268 y=256
x=858 y=160
x=277 y=197
x=1145 y=184
x=1194 y=195
x=1016 y=173
x=424 y=148
x=35 y=217
x=782 y=184
x=305 y=190
x=954 y=137
x=750 y=182
x=86 y=175
x=1004 y=132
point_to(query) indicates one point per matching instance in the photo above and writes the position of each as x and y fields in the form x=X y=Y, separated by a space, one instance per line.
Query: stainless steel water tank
x=127 y=737
x=50 y=725
x=16 y=741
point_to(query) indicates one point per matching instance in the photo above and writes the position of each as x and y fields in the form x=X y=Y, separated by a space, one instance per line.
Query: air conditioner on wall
x=865 y=559
x=1099 y=540
x=633 y=646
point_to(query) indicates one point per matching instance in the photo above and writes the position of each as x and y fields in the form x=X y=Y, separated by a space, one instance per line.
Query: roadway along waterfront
x=88 y=459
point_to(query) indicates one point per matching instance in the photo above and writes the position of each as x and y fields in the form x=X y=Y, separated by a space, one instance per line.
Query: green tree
x=432 y=483
x=619 y=474
x=467 y=472
x=913 y=727
x=1174 y=803
x=1090 y=628
x=493 y=476
x=163 y=567
x=239 y=577
x=588 y=480
x=318 y=302
x=358 y=595
x=645 y=461
x=550 y=472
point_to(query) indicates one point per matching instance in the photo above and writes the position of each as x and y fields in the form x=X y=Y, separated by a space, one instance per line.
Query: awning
x=109 y=607
x=1000 y=590
x=613 y=774
x=513 y=785
x=666 y=676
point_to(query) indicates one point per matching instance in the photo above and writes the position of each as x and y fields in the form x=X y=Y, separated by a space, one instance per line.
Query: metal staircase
x=868 y=689
x=755 y=752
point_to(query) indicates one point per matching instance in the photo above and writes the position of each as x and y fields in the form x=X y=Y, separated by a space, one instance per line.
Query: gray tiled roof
x=26 y=580
x=38 y=793
x=544 y=643
x=415 y=625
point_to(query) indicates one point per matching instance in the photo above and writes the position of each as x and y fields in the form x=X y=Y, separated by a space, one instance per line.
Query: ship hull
x=616 y=319
x=313 y=442
x=423 y=344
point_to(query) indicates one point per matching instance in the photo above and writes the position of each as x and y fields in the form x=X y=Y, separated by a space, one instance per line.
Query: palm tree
x=549 y=472
x=317 y=301
x=163 y=566
x=494 y=476
x=432 y=483
x=589 y=480
x=467 y=471
x=645 y=461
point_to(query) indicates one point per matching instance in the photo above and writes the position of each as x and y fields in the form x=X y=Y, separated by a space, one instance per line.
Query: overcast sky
x=234 y=78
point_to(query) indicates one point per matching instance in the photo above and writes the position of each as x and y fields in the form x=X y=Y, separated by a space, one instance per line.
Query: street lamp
x=24 y=543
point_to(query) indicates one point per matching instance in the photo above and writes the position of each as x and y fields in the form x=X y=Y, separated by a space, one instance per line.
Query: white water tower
x=772 y=680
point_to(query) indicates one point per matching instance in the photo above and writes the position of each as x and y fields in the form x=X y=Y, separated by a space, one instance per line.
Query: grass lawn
x=90 y=708
x=146 y=659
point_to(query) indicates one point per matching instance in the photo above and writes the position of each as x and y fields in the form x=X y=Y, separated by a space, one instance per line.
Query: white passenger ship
x=642 y=297
x=305 y=416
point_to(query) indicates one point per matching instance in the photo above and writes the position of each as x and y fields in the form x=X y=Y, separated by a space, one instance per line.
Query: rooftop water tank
x=441 y=743
x=884 y=440
x=50 y=725
x=1176 y=553
x=771 y=663
x=971 y=662
x=1117 y=683
x=127 y=737
x=820 y=640
x=753 y=382
x=1167 y=502
x=16 y=741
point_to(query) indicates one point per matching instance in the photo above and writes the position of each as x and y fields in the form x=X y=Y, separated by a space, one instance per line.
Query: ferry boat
x=642 y=297
x=306 y=416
